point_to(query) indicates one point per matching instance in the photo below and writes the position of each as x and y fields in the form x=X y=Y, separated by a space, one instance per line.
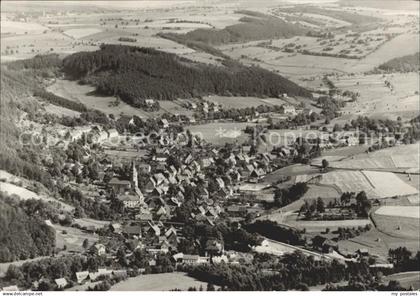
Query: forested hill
x=409 y=63
x=253 y=26
x=136 y=74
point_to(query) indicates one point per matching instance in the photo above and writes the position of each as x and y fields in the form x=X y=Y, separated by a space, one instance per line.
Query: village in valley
x=123 y=169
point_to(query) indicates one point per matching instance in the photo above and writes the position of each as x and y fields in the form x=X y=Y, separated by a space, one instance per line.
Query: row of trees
x=292 y=271
x=285 y=196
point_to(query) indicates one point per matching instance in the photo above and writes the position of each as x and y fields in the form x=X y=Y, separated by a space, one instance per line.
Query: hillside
x=408 y=63
x=22 y=236
x=18 y=82
x=254 y=26
x=136 y=74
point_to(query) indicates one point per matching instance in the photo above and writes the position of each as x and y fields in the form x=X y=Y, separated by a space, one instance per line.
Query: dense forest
x=136 y=74
x=22 y=234
x=253 y=26
x=408 y=63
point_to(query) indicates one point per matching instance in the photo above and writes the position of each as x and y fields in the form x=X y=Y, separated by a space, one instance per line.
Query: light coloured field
x=175 y=108
x=82 y=32
x=159 y=282
x=378 y=243
x=73 y=239
x=21 y=192
x=379 y=101
x=8 y=178
x=235 y=102
x=403 y=157
x=83 y=94
x=406 y=279
x=86 y=222
x=222 y=132
x=271 y=247
x=375 y=184
x=398 y=224
x=319 y=226
x=399 y=211
x=61 y=111
x=387 y=184
x=11 y=27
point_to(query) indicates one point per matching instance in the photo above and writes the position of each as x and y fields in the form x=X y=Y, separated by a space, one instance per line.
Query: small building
x=324 y=244
x=288 y=109
x=82 y=276
x=98 y=249
x=10 y=288
x=130 y=201
x=119 y=186
x=61 y=283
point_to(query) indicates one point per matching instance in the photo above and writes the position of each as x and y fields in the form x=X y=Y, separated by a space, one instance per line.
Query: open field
x=399 y=211
x=378 y=243
x=19 y=191
x=20 y=28
x=220 y=133
x=84 y=94
x=320 y=226
x=60 y=111
x=72 y=238
x=235 y=102
x=378 y=100
x=397 y=158
x=375 y=184
x=175 y=107
x=406 y=279
x=159 y=282
x=86 y=222
x=398 y=223
x=81 y=33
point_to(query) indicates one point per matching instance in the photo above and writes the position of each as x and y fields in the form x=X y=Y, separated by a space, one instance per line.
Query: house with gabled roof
x=129 y=201
x=10 y=288
x=132 y=230
x=61 y=283
x=154 y=229
x=220 y=182
x=118 y=185
x=82 y=276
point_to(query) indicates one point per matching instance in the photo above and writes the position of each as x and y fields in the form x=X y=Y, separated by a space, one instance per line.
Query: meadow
x=220 y=133
x=159 y=282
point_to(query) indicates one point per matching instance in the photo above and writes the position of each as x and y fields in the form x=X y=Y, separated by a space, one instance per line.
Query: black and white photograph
x=185 y=146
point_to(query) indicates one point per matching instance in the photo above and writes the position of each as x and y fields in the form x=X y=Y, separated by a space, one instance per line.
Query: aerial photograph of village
x=210 y=145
